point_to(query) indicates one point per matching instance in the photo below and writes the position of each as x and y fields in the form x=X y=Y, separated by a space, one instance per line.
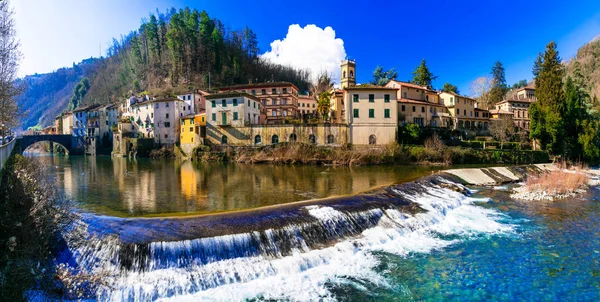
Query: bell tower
x=348 y=75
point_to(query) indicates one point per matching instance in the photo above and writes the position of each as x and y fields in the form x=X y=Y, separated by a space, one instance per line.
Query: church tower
x=348 y=75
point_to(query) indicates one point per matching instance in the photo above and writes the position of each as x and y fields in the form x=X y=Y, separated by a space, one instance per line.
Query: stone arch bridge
x=75 y=145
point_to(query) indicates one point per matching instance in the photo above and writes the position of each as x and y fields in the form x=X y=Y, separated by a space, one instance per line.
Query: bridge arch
x=74 y=145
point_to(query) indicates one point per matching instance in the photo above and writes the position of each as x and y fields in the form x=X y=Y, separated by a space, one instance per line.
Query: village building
x=307 y=106
x=279 y=100
x=372 y=114
x=462 y=111
x=420 y=105
x=67 y=122
x=234 y=109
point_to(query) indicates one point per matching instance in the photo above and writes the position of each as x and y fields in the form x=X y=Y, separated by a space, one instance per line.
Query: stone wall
x=128 y=146
x=247 y=136
x=5 y=151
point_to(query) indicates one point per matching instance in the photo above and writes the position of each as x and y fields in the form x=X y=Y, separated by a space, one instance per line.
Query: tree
x=550 y=109
x=499 y=88
x=519 y=84
x=381 y=77
x=480 y=90
x=10 y=57
x=450 y=88
x=321 y=90
x=422 y=76
x=575 y=113
x=502 y=130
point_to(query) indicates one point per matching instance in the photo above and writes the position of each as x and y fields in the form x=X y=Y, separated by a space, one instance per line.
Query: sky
x=460 y=40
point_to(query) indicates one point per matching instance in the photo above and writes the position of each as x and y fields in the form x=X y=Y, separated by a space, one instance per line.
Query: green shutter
x=355 y=98
x=355 y=113
x=235 y=116
x=214 y=104
x=371 y=98
x=386 y=98
x=371 y=113
x=386 y=113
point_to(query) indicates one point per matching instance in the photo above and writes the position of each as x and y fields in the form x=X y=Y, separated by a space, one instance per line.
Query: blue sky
x=459 y=39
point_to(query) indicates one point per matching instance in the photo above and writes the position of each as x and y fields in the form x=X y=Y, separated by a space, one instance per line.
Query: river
x=415 y=241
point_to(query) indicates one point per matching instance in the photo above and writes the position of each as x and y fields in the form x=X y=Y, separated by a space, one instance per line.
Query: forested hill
x=47 y=95
x=181 y=50
x=586 y=65
x=171 y=52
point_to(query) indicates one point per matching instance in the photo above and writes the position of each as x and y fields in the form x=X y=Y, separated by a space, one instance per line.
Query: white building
x=166 y=115
x=235 y=109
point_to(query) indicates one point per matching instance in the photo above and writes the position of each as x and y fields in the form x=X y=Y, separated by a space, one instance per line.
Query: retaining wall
x=5 y=152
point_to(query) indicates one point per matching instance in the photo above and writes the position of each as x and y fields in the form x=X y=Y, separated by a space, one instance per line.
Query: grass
x=558 y=182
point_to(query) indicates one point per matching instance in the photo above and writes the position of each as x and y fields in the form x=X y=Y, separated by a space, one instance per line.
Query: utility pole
x=209 y=81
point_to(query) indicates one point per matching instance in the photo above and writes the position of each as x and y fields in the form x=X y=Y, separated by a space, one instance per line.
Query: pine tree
x=499 y=88
x=382 y=77
x=422 y=76
x=450 y=88
x=547 y=124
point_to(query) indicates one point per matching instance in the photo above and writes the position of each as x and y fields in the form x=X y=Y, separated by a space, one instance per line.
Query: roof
x=458 y=95
x=230 y=95
x=498 y=111
x=528 y=87
x=259 y=85
x=480 y=109
x=409 y=101
x=525 y=100
x=369 y=87
x=188 y=116
x=412 y=85
x=86 y=108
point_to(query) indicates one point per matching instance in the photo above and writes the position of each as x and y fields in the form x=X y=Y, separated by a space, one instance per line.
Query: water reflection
x=124 y=187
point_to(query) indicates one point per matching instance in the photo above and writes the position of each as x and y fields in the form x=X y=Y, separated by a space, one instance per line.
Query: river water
x=418 y=241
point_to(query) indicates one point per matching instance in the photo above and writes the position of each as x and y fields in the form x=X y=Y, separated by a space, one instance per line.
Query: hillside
x=47 y=95
x=586 y=65
x=170 y=52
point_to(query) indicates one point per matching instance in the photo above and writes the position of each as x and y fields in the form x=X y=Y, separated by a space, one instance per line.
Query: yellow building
x=420 y=105
x=190 y=133
x=464 y=111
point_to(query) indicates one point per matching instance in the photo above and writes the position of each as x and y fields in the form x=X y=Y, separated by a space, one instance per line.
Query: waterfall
x=297 y=257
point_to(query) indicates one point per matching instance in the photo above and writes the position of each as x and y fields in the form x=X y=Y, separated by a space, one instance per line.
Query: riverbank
x=298 y=153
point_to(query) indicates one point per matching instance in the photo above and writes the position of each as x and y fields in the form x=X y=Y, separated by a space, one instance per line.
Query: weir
x=240 y=253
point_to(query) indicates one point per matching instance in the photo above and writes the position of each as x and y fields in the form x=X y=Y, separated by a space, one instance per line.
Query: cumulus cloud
x=310 y=48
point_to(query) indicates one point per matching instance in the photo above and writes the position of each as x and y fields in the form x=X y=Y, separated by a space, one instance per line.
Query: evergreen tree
x=382 y=77
x=547 y=114
x=499 y=88
x=450 y=88
x=422 y=76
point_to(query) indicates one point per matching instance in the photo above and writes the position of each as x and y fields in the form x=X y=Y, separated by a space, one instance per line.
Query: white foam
x=303 y=276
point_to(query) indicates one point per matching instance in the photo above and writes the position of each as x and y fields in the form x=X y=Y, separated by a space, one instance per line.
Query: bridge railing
x=5 y=151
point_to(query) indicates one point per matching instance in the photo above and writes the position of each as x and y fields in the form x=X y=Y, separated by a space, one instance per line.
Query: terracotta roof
x=85 y=108
x=259 y=85
x=409 y=101
x=528 y=87
x=411 y=85
x=458 y=95
x=369 y=87
x=498 y=111
x=526 y=100
x=230 y=95
x=479 y=109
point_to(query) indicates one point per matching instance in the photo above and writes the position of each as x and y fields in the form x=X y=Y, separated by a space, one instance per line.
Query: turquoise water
x=553 y=254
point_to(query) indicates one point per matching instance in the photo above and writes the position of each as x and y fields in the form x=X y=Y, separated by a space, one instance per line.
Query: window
x=405 y=94
x=355 y=98
x=355 y=113
x=274 y=91
x=191 y=129
x=257 y=140
x=182 y=122
x=422 y=109
x=166 y=136
x=457 y=111
x=419 y=121
x=293 y=137
x=372 y=139
x=427 y=98
x=263 y=91
x=253 y=92
x=451 y=100
x=403 y=108
x=465 y=112
x=284 y=90
x=156 y=106
x=224 y=140
x=248 y=103
x=254 y=104
x=214 y=104
x=371 y=113
x=371 y=98
x=167 y=115
x=274 y=139
x=330 y=139
x=152 y=114
x=224 y=103
x=312 y=139
x=386 y=113
x=414 y=109
x=235 y=116
x=167 y=105
x=274 y=113
x=192 y=121
x=214 y=117
x=386 y=98
x=234 y=102
x=167 y=125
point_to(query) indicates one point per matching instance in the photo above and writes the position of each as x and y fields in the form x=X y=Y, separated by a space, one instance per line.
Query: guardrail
x=5 y=152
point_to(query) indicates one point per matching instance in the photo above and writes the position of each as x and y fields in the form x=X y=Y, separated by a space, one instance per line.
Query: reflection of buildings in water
x=136 y=187
x=190 y=182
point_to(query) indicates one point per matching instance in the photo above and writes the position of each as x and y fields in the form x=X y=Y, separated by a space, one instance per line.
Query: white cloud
x=310 y=48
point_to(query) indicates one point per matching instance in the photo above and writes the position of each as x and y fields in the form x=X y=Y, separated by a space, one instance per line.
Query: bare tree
x=10 y=57
x=480 y=90
x=502 y=129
